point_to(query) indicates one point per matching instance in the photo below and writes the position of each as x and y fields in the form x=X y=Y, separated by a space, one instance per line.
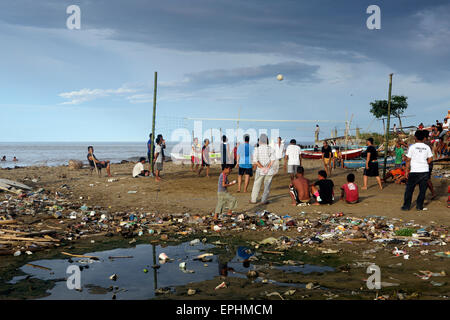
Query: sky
x=216 y=59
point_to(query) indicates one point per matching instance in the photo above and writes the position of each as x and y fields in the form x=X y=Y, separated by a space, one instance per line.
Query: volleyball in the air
x=280 y=77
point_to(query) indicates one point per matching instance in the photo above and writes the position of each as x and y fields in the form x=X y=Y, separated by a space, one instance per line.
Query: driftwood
x=274 y=252
x=78 y=255
x=7 y=221
x=45 y=239
x=38 y=267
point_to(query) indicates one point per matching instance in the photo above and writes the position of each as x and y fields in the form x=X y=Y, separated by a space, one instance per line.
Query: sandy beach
x=182 y=191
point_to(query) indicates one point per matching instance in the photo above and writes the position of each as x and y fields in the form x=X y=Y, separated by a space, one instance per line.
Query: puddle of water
x=133 y=282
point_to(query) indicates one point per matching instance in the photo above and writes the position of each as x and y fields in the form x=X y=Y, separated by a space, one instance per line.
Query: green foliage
x=398 y=106
x=406 y=232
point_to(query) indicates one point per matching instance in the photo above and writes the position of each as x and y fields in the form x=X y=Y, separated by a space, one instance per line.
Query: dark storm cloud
x=412 y=38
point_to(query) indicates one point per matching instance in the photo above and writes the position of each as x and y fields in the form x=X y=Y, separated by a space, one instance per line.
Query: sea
x=59 y=153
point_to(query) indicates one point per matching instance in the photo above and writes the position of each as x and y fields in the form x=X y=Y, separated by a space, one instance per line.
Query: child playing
x=350 y=190
x=324 y=194
x=398 y=174
x=224 y=199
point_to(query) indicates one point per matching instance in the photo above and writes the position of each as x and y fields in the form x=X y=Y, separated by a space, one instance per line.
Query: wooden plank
x=355 y=240
x=28 y=239
x=7 y=221
x=78 y=255
x=38 y=267
x=13 y=231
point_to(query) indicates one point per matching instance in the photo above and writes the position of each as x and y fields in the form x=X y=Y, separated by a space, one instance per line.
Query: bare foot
x=293 y=204
x=252 y=202
x=316 y=204
x=364 y=188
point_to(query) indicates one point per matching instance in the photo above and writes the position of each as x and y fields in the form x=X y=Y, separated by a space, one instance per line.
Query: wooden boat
x=349 y=154
x=360 y=163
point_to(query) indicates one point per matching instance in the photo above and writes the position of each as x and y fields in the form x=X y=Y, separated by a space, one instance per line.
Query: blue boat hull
x=360 y=163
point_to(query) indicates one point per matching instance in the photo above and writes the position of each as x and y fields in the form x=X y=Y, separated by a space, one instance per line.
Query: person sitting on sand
x=138 y=170
x=448 y=199
x=4 y=158
x=224 y=199
x=98 y=164
x=299 y=188
x=397 y=175
x=349 y=191
x=323 y=194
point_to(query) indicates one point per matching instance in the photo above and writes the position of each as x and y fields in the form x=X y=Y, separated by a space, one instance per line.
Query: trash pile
x=34 y=220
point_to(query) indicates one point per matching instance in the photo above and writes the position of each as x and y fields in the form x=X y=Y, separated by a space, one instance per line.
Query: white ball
x=280 y=77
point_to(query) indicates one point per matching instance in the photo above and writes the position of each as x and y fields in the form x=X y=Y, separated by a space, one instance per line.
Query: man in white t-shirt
x=138 y=170
x=279 y=149
x=292 y=158
x=418 y=158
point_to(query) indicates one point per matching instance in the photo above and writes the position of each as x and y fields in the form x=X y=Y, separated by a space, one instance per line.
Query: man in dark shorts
x=299 y=189
x=371 y=169
x=226 y=157
x=323 y=194
x=244 y=162
x=94 y=162
x=327 y=154
x=205 y=158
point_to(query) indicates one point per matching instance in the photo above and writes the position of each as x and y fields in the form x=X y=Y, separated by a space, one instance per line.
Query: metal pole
x=153 y=121
x=388 y=120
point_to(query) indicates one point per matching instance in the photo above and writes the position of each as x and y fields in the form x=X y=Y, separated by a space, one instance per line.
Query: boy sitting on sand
x=138 y=170
x=224 y=199
x=350 y=190
x=299 y=189
x=323 y=194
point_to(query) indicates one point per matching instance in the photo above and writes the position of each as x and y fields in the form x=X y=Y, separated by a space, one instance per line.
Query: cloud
x=292 y=70
x=83 y=95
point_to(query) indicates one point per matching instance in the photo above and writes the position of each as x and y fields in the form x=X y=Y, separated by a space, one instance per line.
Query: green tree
x=398 y=106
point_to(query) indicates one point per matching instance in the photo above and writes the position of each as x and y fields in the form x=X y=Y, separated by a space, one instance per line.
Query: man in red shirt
x=350 y=190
